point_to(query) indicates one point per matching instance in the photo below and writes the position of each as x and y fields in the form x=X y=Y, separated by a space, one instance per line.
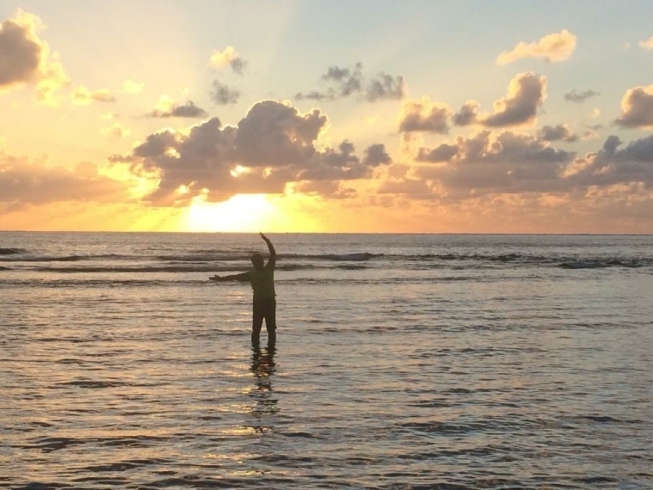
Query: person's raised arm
x=244 y=276
x=273 y=253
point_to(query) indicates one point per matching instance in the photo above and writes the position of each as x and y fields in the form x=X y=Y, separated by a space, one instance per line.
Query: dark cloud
x=20 y=53
x=511 y=163
x=238 y=65
x=23 y=182
x=326 y=188
x=526 y=93
x=637 y=108
x=224 y=95
x=415 y=188
x=556 y=133
x=346 y=82
x=385 y=87
x=274 y=144
x=189 y=110
x=421 y=115
x=506 y=163
x=467 y=115
x=376 y=155
x=579 y=97
x=25 y=58
x=610 y=165
x=442 y=153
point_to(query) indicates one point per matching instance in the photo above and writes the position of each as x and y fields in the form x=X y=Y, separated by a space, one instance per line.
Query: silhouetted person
x=264 y=304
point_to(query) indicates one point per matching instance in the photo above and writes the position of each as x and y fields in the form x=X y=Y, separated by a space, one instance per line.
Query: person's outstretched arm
x=244 y=276
x=273 y=253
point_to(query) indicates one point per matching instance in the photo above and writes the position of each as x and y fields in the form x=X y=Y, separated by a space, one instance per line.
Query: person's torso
x=262 y=281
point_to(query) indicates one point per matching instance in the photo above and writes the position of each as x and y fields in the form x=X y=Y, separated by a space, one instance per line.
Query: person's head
x=257 y=260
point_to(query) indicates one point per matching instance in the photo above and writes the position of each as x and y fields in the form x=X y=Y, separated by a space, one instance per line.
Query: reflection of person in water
x=263 y=367
x=264 y=305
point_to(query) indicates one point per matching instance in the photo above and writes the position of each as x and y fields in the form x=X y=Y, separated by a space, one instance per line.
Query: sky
x=327 y=116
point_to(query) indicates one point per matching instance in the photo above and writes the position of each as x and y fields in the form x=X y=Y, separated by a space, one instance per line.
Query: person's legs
x=271 y=321
x=258 y=313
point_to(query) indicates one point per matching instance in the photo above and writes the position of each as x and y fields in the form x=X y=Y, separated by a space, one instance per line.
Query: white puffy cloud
x=553 y=47
x=228 y=57
x=26 y=59
x=637 y=108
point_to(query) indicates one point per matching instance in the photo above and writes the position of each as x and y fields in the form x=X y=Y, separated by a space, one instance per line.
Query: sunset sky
x=327 y=116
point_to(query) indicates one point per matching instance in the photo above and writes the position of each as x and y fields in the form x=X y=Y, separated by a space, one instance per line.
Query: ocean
x=455 y=362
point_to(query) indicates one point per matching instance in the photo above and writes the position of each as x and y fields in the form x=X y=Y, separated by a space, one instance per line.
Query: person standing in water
x=264 y=304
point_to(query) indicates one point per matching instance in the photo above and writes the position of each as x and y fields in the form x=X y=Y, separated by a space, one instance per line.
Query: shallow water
x=403 y=361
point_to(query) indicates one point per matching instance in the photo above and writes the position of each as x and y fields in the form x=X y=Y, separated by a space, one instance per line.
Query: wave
x=215 y=261
x=68 y=258
x=205 y=256
x=180 y=268
x=602 y=264
x=11 y=251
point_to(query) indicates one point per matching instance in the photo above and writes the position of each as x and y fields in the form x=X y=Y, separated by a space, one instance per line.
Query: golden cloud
x=553 y=47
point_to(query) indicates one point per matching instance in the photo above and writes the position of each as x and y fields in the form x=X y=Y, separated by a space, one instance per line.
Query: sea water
x=402 y=362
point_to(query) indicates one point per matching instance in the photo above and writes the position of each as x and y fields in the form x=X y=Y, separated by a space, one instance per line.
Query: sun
x=241 y=213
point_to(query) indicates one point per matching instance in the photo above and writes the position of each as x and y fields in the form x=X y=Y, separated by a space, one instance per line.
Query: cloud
x=83 y=96
x=526 y=93
x=385 y=87
x=346 y=82
x=648 y=44
x=610 y=165
x=24 y=182
x=553 y=48
x=467 y=115
x=637 y=108
x=579 y=97
x=561 y=132
x=441 y=153
x=116 y=131
x=273 y=145
x=224 y=95
x=228 y=57
x=26 y=59
x=132 y=87
x=422 y=115
x=508 y=163
x=326 y=188
x=486 y=163
x=376 y=155
x=166 y=107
